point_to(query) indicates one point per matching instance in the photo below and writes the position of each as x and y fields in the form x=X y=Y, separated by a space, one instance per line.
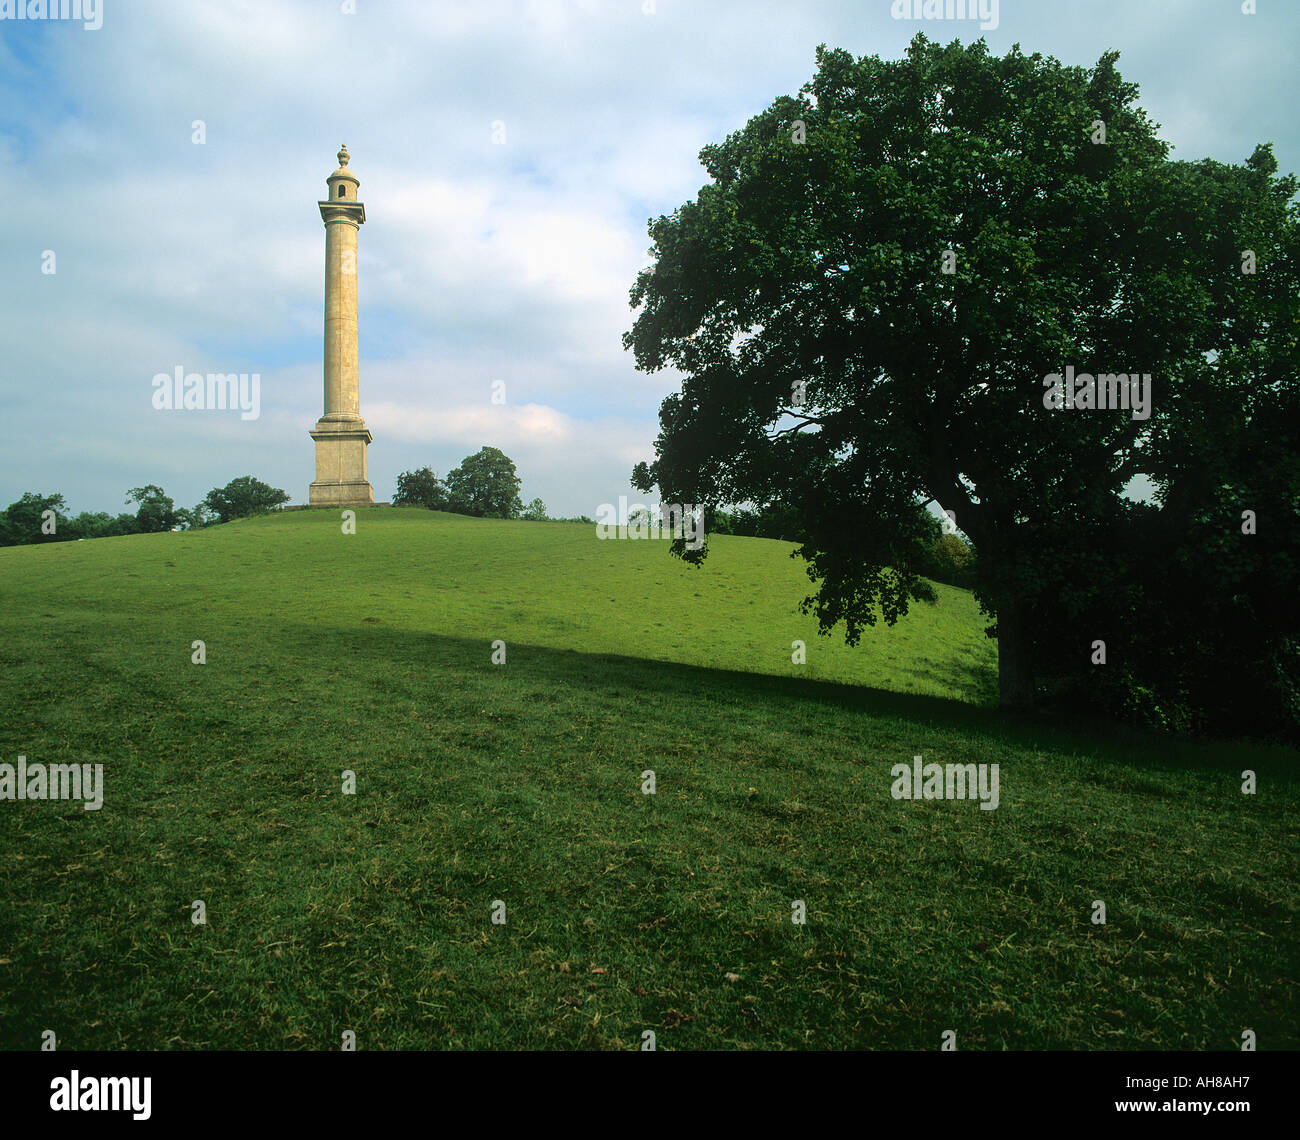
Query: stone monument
x=341 y=434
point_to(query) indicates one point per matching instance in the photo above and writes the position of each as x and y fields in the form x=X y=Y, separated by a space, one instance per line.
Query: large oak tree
x=866 y=297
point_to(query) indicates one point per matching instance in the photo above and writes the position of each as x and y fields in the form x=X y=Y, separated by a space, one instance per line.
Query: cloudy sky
x=480 y=261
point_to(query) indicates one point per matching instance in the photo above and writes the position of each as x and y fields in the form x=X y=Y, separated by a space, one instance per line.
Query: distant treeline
x=38 y=517
x=486 y=485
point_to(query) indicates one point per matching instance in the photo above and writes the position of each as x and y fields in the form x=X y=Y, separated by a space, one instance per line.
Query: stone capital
x=351 y=213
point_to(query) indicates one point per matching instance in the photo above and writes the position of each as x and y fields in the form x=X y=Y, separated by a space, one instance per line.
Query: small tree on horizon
x=242 y=498
x=157 y=511
x=421 y=488
x=535 y=512
x=486 y=485
x=194 y=518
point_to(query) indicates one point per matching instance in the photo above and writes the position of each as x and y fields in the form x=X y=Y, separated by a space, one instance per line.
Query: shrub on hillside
x=535 y=512
x=242 y=498
x=952 y=561
x=421 y=488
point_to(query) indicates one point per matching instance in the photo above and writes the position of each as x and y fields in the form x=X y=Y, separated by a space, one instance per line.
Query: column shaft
x=341 y=368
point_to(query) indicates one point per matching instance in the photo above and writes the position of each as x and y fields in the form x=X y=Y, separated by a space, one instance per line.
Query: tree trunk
x=1015 y=658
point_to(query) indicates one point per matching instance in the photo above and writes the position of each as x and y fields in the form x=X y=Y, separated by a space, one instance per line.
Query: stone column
x=341 y=434
x=341 y=371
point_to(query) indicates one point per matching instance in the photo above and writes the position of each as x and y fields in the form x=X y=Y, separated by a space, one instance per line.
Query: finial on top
x=343 y=155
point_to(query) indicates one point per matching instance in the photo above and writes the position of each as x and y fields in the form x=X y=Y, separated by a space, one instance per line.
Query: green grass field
x=521 y=782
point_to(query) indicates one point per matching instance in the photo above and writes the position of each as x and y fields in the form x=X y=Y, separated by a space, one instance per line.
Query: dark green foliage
x=421 y=488
x=195 y=519
x=485 y=485
x=100 y=524
x=1198 y=617
x=773 y=521
x=157 y=511
x=830 y=364
x=535 y=511
x=243 y=498
x=22 y=522
x=951 y=560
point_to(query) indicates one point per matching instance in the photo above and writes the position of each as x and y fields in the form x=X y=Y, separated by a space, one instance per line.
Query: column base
x=341 y=464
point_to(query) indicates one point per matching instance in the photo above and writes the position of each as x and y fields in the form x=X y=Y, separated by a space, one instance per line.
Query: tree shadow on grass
x=658 y=683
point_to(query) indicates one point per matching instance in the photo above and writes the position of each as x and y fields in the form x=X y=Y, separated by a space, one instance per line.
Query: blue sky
x=479 y=261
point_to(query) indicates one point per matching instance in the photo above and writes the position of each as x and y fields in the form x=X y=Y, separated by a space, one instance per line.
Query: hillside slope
x=523 y=785
x=545 y=584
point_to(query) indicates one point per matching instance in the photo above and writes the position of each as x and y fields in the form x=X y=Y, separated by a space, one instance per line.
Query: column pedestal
x=341 y=465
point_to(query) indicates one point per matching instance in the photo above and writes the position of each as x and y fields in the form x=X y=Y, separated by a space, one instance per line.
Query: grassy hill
x=522 y=783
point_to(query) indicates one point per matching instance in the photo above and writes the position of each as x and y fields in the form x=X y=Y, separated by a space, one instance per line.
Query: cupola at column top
x=343 y=183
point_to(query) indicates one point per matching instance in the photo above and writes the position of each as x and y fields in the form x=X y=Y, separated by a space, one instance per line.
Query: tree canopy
x=157 y=510
x=485 y=484
x=421 y=488
x=25 y=521
x=243 y=497
x=866 y=302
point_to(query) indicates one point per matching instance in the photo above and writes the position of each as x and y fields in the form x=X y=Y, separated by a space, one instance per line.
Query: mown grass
x=522 y=783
